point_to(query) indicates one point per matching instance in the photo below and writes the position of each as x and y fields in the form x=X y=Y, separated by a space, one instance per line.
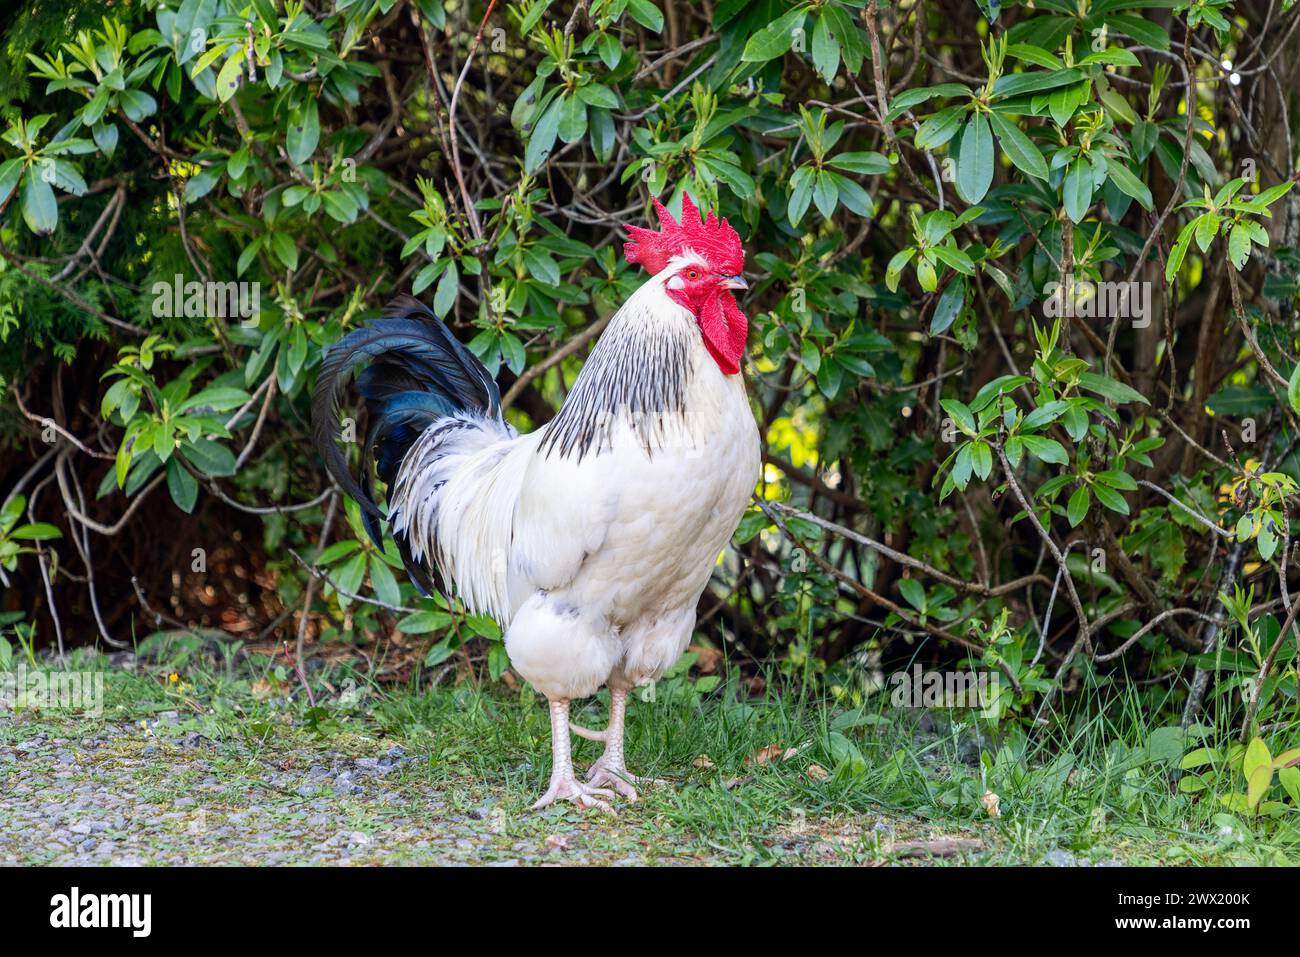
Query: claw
x=616 y=778
x=570 y=789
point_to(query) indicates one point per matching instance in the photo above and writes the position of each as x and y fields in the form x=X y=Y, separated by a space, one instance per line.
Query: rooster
x=591 y=539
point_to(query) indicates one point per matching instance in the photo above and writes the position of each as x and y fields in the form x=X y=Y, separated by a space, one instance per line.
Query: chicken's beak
x=735 y=282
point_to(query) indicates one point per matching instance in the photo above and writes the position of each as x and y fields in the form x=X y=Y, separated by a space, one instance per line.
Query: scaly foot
x=609 y=769
x=564 y=786
x=608 y=773
x=569 y=788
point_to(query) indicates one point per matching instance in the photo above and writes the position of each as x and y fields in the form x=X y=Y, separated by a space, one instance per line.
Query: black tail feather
x=417 y=373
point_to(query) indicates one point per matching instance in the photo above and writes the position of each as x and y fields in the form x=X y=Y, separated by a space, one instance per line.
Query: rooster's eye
x=692 y=274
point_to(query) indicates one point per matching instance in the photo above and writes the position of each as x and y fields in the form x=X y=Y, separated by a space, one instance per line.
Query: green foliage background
x=954 y=472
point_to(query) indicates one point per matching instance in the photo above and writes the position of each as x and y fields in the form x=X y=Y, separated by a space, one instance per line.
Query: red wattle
x=724 y=328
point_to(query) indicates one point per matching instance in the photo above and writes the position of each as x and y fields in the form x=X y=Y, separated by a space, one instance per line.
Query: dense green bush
x=980 y=442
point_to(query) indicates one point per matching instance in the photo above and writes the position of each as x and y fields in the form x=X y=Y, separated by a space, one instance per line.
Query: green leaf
x=948 y=308
x=93 y=111
x=810 y=355
x=383 y=583
x=601 y=125
x=1019 y=147
x=829 y=378
x=543 y=138
x=925 y=274
x=1108 y=388
x=853 y=196
x=1239 y=247
x=594 y=94
x=913 y=591
x=340 y=206
x=1036 y=55
x=1139 y=29
x=284 y=248
x=1257 y=767
x=894 y=271
x=1077 y=508
x=1118 y=105
x=573 y=119
x=348 y=578
x=1116 y=479
x=1293 y=389
x=228 y=78
x=1017 y=84
x=939 y=128
x=647 y=14
x=542 y=266
x=10 y=172
x=210 y=458
x=910 y=98
x=962 y=466
x=1110 y=498
x=1077 y=190
x=184 y=488
x=1127 y=183
x=214 y=399
x=825 y=49
x=774 y=39
x=868 y=163
x=975 y=164
x=36 y=532
x=1048 y=450
x=445 y=295
x=304 y=132
x=40 y=208
x=1049 y=412
x=825 y=194
x=136 y=104
x=1179 y=251
x=424 y=621
x=1207 y=225
x=961 y=415
x=336 y=551
x=955 y=258
x=853 y=47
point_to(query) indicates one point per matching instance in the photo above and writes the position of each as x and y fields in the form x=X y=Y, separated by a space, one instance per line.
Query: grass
x=786 y=776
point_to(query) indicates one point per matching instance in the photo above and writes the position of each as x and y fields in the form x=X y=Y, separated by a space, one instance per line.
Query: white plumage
x=596 y=568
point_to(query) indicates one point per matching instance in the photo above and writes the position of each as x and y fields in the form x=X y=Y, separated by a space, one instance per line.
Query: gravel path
x=134 y=794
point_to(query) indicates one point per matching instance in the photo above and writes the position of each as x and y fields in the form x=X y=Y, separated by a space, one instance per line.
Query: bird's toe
x=584 y=795
x=616 y=778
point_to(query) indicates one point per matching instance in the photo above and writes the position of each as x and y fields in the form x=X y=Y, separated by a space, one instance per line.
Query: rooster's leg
x=564 y=786
x=610 y=769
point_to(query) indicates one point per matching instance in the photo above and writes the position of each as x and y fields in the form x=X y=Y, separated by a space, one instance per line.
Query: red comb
x=716 y=241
